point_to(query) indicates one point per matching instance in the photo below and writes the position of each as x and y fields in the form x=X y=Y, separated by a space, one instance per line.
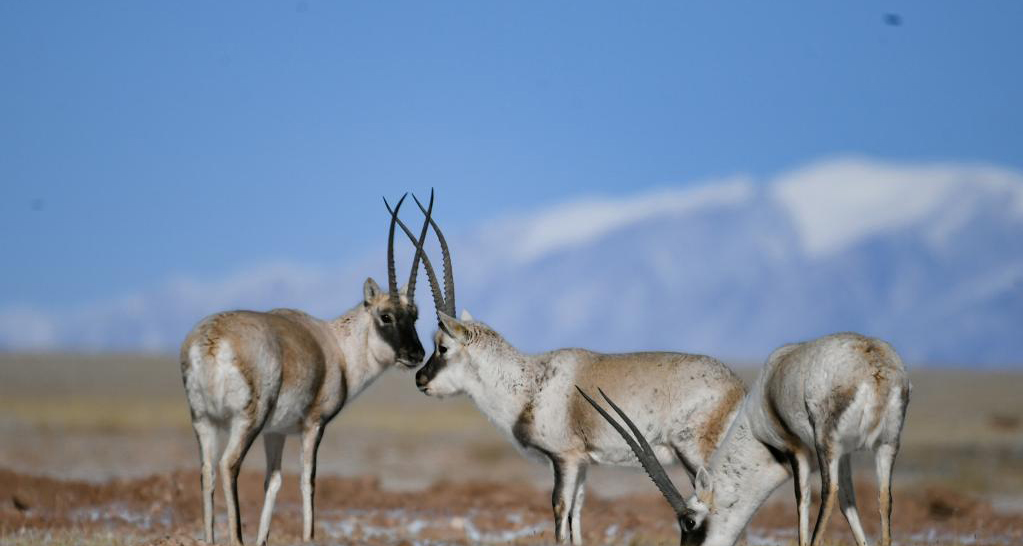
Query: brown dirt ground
x=165 y=509
x=96 y=450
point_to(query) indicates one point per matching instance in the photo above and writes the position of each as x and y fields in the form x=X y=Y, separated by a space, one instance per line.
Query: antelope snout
x=415 y=358
x=422 y=380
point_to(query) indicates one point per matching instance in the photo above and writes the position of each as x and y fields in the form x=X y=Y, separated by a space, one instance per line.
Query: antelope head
x=691 y=513
x=451 y=365
x=392 y=335
x=442 y=374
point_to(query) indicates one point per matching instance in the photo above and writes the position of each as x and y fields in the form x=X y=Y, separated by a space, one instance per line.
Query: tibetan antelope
x=822 y=400
x=285 y=372
x=684 y=401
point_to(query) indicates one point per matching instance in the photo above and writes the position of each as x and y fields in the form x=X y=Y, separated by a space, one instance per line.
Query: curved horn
x=449 y=280
x=392 y=276
x=419 y=250
x=438 y=299
x=643 y=452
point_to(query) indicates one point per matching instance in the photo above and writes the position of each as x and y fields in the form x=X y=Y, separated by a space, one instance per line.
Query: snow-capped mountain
x=929 y=257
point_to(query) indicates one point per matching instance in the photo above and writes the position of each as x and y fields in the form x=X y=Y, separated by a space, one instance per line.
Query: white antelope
x=683 y=401
x=285 y=372
x=822 y=400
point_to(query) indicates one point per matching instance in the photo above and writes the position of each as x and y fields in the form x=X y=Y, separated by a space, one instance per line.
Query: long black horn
x=643 y=452
x=438 y=299
x=415 y=261
x=392 y=276
x=449 y=279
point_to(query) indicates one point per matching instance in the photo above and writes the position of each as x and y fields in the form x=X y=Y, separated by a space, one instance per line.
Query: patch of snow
x=837 y=203
x=580 y=222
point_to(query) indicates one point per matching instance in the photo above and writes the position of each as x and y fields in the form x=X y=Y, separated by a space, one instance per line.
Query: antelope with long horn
x=685 y=401
x=285 y=372
x=819 y=400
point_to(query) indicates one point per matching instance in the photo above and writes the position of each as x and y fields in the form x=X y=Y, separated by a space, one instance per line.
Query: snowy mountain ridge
x=929 y=257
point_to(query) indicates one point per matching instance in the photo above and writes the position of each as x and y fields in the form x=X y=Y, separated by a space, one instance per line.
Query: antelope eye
x=690 y=524
x=386 y=319
x=442 y=349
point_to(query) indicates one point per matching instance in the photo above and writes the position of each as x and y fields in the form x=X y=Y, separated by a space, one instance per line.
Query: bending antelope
x=820 y=399
x=285 y=372
x=685 y=402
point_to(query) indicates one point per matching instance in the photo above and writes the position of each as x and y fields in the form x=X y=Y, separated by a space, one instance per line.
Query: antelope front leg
x=310 y=443
x=274 y=447
x=566 y=475
x=847 y=500
x=575 y=520
x=829 y=491
x=801 y=476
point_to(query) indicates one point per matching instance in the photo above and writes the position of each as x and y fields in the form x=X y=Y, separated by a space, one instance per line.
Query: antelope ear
x=403 y=291
x=370 y=290
x=452 y=326
x=704 y=483
x=465 y=315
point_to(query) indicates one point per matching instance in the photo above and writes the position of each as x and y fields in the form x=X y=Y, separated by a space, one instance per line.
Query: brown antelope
x=684 y=401
x=285 y=372
x=822 y=400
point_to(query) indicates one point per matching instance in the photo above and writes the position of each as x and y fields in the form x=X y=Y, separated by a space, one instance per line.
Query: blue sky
x=140 y=141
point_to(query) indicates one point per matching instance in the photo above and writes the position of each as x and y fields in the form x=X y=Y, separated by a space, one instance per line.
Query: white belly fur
x=286 y=417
